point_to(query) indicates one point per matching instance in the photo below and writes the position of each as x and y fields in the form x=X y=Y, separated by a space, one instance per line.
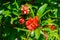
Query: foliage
x=46 y=10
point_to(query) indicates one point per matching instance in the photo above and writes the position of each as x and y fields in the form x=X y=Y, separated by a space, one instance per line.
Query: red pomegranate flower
x=32 y=24
x=25 y=9
x=52 y=27
x=21 y=20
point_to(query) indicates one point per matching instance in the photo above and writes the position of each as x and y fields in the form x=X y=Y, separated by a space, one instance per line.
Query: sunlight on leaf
x=41 y=10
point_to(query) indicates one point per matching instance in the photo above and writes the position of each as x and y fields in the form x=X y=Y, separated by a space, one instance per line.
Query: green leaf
x=6 y=13
x=9 y=7
x=50 y=21
x=0 y=18
x=44 y=23
x=55 y=12
x=35 y=7
x=37 y=33
x=15 y=3
x=47 y=22
x=41 y=10
x=46 y=29
x=53 y=35
x=13 y=19
x=15 y=13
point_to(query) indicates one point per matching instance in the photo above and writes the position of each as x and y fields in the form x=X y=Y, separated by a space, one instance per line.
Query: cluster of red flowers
x=25 y=9
x=32 y=24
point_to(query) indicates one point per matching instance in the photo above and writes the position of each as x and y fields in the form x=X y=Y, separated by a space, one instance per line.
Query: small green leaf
x=15 y=3
x=13 y=19
x=35 y=7
x=55 y=12
x=6 y=13
x=41 y=10
x=0 y=18
x=46 y=29
x=15 y=13
x=50 y=21
x=44 y=23
x=37 y=33
x=9 y=7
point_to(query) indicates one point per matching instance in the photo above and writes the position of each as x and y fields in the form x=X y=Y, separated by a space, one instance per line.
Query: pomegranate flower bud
x=25 y=9
x=21 y=20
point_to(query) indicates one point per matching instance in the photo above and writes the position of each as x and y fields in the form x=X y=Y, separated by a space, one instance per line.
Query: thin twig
x=45 y=13
x=21 y=29
x=6 y=3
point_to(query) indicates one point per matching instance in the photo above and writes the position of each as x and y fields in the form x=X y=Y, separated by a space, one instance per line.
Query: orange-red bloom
x=32 y=24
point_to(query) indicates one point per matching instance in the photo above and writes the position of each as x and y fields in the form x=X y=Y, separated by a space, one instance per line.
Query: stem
x=6 y=3
x=21 y=29
x=17 y=4
x=45 y=13
x=28 y=35
x=55 y=12
x=24 y=30
x=32 y=12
